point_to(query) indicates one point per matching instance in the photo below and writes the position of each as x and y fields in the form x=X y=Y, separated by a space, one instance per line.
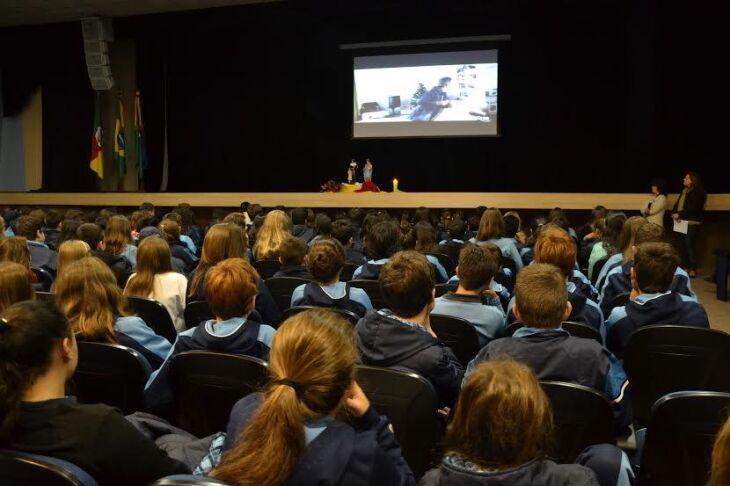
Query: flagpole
x=165 y=160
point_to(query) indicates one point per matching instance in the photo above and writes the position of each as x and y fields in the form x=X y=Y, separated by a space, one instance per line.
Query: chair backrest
x=512 y=328
x=452 y=251
x=597 y=267
x=188 y=480
x=44 y=277
x=292 y=311
x=680 y=436
x=155 y=315
x=409 y=401
x=347 y=272
x=446 y=262
x=582 y=416
x=445 y=288
x=197 y=312
x=282 y=288
x=372 y=288
x=664 y=359
x=581 y=330
x=33 y=469
x=266 y=268
x=45 y=296
x=206 y=385
x=110 y=374
x=458 y=334
x=620 y=300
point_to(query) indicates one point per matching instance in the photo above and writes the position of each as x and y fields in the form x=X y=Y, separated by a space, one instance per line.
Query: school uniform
x=503 y=293
x=355 y=256
x=338 y=295
x=303 y=232
x=130 y=253
x=179 y=250
x=133 y=332
x=42 y=257
x=337 y=453
x=189 y=244
x=507 y=247
x=370 y=270
x=651 y=310
x=488 y=320
x=527 y=254
x=297 y=271
x=52 y=235
x=386 y=341
x=583 y=285
x=452 y=242
x=613 y=261
x=236 y=335
x=169 y=289
x=119 y=265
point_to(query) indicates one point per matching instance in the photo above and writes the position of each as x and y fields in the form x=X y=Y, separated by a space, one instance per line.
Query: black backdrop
x=594 y=96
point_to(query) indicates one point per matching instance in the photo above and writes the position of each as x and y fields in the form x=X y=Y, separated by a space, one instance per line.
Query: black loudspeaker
x=97 y=32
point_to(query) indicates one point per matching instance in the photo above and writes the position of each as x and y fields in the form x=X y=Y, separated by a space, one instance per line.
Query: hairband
x=298 y=387
x=4 y=325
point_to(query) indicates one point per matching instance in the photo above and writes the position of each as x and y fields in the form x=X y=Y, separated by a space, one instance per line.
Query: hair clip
x=4 y=324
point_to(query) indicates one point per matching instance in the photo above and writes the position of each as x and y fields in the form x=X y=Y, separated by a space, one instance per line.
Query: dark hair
x=557 y=213
x=356 y=215
x=68 y=230
x=457 y=228
x=426 y=238
x=696 y=181
x=27 y=227
x=655 y=264
x=477 y=267
x=406 y=282
x=292 y=251
x=661 y=186
x=298 y=216
x=322 y=224
x=326 y=259
x=382 y=240
x=29 y=331
x=599 y=212
x=147 y=206
x=511 y=225
x=343 y=231
x=91 y=234
x=611 y=239
x=53 y=218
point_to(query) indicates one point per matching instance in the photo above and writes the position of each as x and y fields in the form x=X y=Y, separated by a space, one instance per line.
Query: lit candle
x=395 y=185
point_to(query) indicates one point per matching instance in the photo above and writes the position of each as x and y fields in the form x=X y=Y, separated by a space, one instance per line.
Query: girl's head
x=491 y=225
x=612 y=234
x=69 y=252
x=15 y=249
x=426 y=239
x=323 y=224
x=312 y=365
x=325 y=260
x=382 y=240
x=720 y=474
x=692 y=180
x=659 y=187
x=153 y=257
x=503 y=417
x=68 y=229
x=628 y=234
x=223 y=240
x=170 y=230
x=117 y=235
x=88 y=295
x=34 y=339
x=15 y=284
x=277 y=226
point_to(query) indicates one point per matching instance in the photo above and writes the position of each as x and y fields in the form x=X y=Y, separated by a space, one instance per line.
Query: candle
x=395 y=185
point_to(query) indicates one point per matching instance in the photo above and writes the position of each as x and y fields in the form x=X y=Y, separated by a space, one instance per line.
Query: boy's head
x=648 y=233
x=230 y=288
x=29 y=228
x=512 y=223
x=541 y=296
x=477 y=267
x=457 y=228
x=382 y=240
x=326 y=259
x=343 y=231
x=91 y=234
x=170 y=230
x=54 y=218
x=654 y=267
x=556 y=247
x=406 y=282
x=299 y=216
x=292 y=251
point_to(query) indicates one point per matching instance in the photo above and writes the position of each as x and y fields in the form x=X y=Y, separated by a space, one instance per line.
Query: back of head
x=628 y=233
x=170 y=230
x=615 y=222
x=276 y=227
x=117 y=235
x=299 y=216
x=541 y=296
x=556 y=247
x=512 y=224
x=28 y=227
x=239 y=219
x=230 y=288
x=503 y=418
x=153 y=258
x=323 y=224
x=326 y=259
x=491 y=226
x=91 y=234
x=426 y=240
x=69 y=252
x=53 y=218
x=173 y=216
x=356 y=216
x=254 y=210
x=15 y=284
x=312 y=365
x=649 y=233
x=15 y=249
x=457 y=228
x=147 y=206
x=382 y=240
x=477 y=267
x=343 y=231
x=557 y=213
x=655 y=264
x=29 y=333
x=720 y=474
x=223 y=240
x=423 y=214
x=406 y=282
x=292 y=251
x=599 y=212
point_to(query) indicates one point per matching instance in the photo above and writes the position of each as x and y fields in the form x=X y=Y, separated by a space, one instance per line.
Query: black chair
x=206 y=385
x=664 y=359
x=110 y=374
x=45 y=278
x=581 y=330
x=347 y=272
x=155 y=315
x=512 y=328
x=722 y=266
x=445 y=262
x=582 y=416
x=458 y=334
x=372 y=288
x=282 y=288
x=597 y=267
x=409 y=401
x=45 y=296
x=197 y=312
x=267 y=268
x=188 y=480
x=445 y=288
x=33 y=469
x=620 y=300
x=679 y=439
x=347 y=314
x=452 y=251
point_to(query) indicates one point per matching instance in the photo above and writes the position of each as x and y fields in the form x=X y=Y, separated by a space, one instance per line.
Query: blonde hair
x=276 y=228
x=69 y=252
x=117 y=235
x=720 y=474
x=15 y=284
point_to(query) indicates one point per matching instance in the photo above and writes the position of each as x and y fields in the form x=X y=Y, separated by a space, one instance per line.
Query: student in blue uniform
x=291 y=256
x=41 y=256
x=496 y=294
x=501 y=434
x=542 y=305
x=313 y=424
x=344 y=232
x=653 y=302
x=623 y=250
x=491 y=229
x=401 y=336
x=456 y=230
x=325 y=262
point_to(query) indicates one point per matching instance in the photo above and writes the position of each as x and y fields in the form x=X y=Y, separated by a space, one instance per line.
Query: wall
x=20 y=147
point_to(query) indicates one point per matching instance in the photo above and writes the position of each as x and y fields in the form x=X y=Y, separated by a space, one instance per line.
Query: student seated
x=618 y=280
x=401 y=336
x=456 y=229
x=496 y=294
x=322 y=228
x=300 y=229
x=313 y=424
x=291 y=256
x=622 y=243
x=118 y=239
x=425 y=242
x=652 y=300
x=41 y=256
x=325 y=262
x=491 y=229
x=40 y=355
x=527 y=251
x=93 y=236
x=15 y=284
x=501 y=434
x=720 y=473
x=553 y=354
x=15 y=249
x=344 y=232
x=231 y=293
x=275 y=229
x=51 y=227
x=69 y=252
x=87 y=293
x=476 y=271
x=170 y=232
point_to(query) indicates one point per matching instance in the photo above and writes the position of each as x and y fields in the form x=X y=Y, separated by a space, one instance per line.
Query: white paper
x=681 y=226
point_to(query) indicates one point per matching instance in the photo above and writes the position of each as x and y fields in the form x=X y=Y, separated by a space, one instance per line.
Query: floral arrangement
x=330 y=186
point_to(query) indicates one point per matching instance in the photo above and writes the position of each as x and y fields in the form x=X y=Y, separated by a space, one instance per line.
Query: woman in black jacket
x=689 y=206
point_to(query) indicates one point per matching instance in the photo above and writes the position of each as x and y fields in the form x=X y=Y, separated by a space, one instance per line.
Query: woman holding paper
x=689 y=207
x=656 y=206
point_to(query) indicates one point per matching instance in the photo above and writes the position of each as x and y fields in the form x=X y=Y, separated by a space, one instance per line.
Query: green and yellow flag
x=119 y=145
x=96 y=162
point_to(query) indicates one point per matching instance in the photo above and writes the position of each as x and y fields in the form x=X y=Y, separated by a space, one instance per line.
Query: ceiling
x=28 y=12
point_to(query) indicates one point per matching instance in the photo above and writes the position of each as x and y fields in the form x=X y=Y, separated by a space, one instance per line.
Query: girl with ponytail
x=313 y=425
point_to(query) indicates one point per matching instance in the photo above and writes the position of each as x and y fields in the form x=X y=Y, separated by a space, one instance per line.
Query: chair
x=31 y=469
x=620 y=300
x=581 y=330
x=111 y=374
x=188 y=480
x=347 y=314
x=267 y=268
x=45 y=296
x=445 y=262
x=197 y=312
x=512 y=328
x=664 y=359
x=206 y=385
x=347 y=272
x=372 y=288
x=155 y=315
x=680 y=436
x=582 y=416
x=409 y=401
x=44 y=277
x=452 y=251
x=597 y=267
x=458 y=334
x=722 y=265
x=282 y=288
x=445 y=288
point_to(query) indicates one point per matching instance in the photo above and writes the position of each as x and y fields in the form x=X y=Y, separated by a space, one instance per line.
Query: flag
x=96 y=162
x=139 y=143
x=119 y=154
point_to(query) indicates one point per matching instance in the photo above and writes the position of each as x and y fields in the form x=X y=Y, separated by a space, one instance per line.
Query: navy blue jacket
x=386 y=341
x=363 y=454
x=297 y=271
x=302 y=231
x=42 y=257
x=314 y=295
x=648 y=310
x=354 y=256
x=584 y=310
x=179 y=250
x=583 y=285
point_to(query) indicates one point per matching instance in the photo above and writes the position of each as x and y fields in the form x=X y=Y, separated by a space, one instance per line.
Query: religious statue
x=352 y=172
x=367 y=171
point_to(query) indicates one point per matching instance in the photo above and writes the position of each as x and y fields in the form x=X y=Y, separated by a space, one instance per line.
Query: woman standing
x=689 y=207
x=655 y=207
